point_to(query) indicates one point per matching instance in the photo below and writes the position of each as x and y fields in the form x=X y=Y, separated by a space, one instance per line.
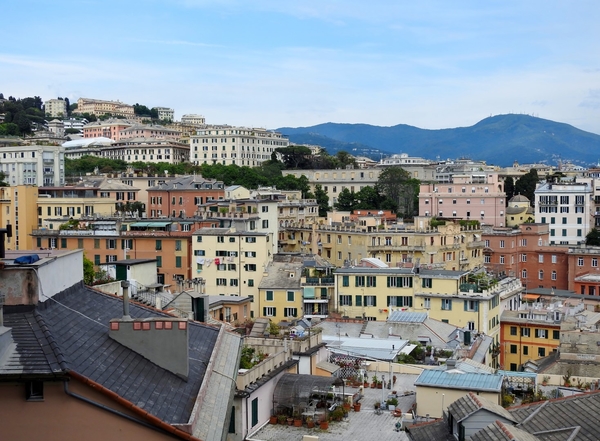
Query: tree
x=322 y=199
x=141 y=110
x=509 y=188
x=346 y=200
x=397 y=184
x=593 y=238
x=345 y=159
x=295 y=156
x=88 y=271
x=3 y=183
x=368 y=198
x=527 y=184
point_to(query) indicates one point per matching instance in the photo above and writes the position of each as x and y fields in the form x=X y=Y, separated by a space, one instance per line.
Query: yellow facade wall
x=432 y=400
x=519 y=343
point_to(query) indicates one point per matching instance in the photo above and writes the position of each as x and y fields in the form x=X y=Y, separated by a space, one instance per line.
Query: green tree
x=368 y=198
x=397 y=184
x=345 y=159
x=3 y=182
x=346 y=201
x=593 y=238
x=295 y=156
x=322 y=199
x=509 y=188
x=88 y=271
x=527 y=184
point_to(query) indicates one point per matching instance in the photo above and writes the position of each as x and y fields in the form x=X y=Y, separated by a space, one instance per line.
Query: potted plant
x=310 y=423
x=297 y=419
x=273 y=419
x=392 y=402
x=377 y=404
x=324 y=425
x=545 y=380
x=338 y=413
x=374 y=382
x=357 y=406
x=281 y=419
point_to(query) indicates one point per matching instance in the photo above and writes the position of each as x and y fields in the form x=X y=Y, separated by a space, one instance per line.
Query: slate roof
x=561 y=418
x=471 y=403
x=436 y=430
x=455 y=380
x=74 y=324
x=278 y=276
x=498 y=431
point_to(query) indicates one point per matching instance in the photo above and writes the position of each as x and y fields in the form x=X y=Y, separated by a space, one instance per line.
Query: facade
x=74 y=123
x=449 y=246
x=280 y=290
x=145 y=131
x=18 y=207
x=478 y=196
x=229 y=145
x=111 y=128
x=55 y=108
x=519 y=211
x=150 y=150
x=526 y=253
x=182 y=196
x=530 y=333
x=102 y=107
x=192 y=119
x=568 y=208
x=72 y=202
x=41 y=165
x=165 y=113
x=583 y=270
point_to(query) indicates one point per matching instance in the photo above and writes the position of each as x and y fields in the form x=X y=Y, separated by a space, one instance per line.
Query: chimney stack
x=125 y=286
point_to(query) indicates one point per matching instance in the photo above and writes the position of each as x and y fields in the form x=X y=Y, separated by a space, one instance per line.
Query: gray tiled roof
x=436 y=430
x=471 y=403
x=78 y=321
x=576 y=415
x=499 y=431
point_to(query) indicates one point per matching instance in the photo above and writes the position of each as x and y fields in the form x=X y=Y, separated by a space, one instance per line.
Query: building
x=519 y=211
x=75 y=123
x=474 y=196
x=229 y=145
x=567 y=207
x=18 y=207
x=280 y=290
x=56 y=128
x=110 y=128
x=192 y=119
x=72 y=202
x=102 y=107
x=449 y=245
x=165 y=113
x=182 y=196
x=55 y=108
x=41 y=165
x=57 y=333
x=145 y=131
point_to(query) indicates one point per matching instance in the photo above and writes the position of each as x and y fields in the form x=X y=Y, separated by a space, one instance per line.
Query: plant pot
x=379 y=386
x=356 y=407
x=324 y=425
x=310 y=424
x=273 y=419
x=366 y=385
x=373 y=386
x=297 y=423
x=346 y=407
x=290 y=421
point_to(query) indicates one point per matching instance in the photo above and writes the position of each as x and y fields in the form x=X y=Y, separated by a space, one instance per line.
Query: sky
x=296 y=63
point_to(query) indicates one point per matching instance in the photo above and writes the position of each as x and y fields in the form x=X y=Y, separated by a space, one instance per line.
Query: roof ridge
x=532 y=414
x=505 y=429
x=62 y=361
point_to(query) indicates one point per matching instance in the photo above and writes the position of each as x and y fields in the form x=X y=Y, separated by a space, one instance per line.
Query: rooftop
x=460 y=380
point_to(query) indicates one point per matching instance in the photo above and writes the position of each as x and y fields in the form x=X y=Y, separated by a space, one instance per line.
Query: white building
x=165 y=113
x=75 y=123
x=567 y=208
x=41 y=165
x=229 y=145
x=55 y=108
x=193 y=119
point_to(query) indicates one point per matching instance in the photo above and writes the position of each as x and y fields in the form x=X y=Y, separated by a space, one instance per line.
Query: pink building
x=474 y=197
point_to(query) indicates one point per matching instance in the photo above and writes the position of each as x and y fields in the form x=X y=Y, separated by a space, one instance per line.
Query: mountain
x=499 y=140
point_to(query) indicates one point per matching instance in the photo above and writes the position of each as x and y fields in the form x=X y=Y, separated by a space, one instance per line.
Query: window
x=580 y=261
x=541 y=258
x=426 y=303
x=198 y=238
x=556 y=334
x=525 y=332
x=370 y=301
x=525 y=350
x=290 y=296
x=541 y=274
x=523 y=257
x=269 y=311
x=471 y=305
x=221 y=282
x=34 y=391
x=487 y=259
x=524 y=274
x=359 y=280
x=250 y=282
x=269 y=296
x=541 y=352
x=426 y=283
x=265 y=223
x=97 y=259
x=63 y=242
x=371 y=281
x=513 y=330
x=233 y=282
x=220 y=239
x=159 y=261
x=290 y=312
x=250 y=267
x=111 y=244
x=446 y=304
x=553 y=275
x=513 y=349
x=345 y=300
x=251 y=240
x=177 y=261
x=594 y=262
x=158 y=245
x=501 y=244
x=541 y=333
x=513 y=367
x=345 y=281
x=554 y=260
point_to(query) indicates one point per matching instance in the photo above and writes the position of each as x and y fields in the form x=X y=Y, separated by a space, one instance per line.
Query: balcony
x=476 y=244
x=318 y=281
x=384 y=247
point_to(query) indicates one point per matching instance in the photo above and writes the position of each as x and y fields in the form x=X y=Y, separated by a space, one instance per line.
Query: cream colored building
x=230 y=262
x=449 y=247
x=55 y=108
x=152 y=150
x=193 y=119
x=165 y=113
x=101 y=107
x=41 y=165
x=18 y=207
x=229 y=145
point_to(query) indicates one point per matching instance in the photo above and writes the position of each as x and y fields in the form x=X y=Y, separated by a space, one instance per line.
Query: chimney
x=125 y=286
x=450 y=364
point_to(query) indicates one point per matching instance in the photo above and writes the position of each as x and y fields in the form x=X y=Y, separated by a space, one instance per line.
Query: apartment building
x=476 y=196
x=229 y=145
x=182 y=196
x=55 y=108
x=109 y=239
x=531 y=332
x=449 y=246
x=102 y=107
x=150 y=150
x=583 y=269
x=165 y=113
x=193 y=119
x=527 y=253
x=18 y=207
x=110 y=128
x=280 y=290
x=41 y=165
x=145 y=131
x=297 y=211
x=230 y=261
x=72 y=202
x=567 y=207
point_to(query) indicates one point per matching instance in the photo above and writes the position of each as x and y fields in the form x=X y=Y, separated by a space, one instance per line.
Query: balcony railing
x=315 y=281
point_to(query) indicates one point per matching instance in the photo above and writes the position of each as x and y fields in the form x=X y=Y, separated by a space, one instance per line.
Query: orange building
x=584 y=270
x=181 y=196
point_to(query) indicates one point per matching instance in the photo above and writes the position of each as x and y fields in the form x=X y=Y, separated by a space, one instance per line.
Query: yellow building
x=230 y=262
x=460 y=298
x=450 y=247
x=530 y=333
x=71 y=202
x=280 y=296
x=18 y=207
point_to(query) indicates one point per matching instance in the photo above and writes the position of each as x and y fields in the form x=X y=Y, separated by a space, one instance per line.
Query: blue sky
x=264 y=63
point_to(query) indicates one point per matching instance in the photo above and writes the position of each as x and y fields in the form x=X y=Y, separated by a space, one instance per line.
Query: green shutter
x=374 y=300
x=389 y=281
x=476 y=306
x=274 y=312
x=264 y=311
x=254 y=412
x=410 y=302
x=232 y=421
x=410 y=282
x=97 y=259
x=358 y=300
x=345 y=281
x=389 y=298
x=466 y=305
